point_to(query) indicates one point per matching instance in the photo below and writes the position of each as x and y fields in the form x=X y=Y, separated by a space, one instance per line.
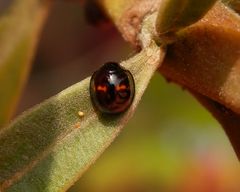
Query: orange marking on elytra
x=121 y=87
x=101 y=88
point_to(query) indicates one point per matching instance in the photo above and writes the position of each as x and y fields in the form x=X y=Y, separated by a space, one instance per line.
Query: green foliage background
x=171 y=144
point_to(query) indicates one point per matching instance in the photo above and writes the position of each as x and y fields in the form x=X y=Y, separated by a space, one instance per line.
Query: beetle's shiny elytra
x=112 y=89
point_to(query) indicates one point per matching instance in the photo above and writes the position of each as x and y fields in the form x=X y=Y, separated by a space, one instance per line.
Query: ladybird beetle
x=112 y=89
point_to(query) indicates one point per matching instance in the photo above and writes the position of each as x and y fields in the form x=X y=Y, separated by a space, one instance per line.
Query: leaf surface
x=177 y=14
x=49 y=147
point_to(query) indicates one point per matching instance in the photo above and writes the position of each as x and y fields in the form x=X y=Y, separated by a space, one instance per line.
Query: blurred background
x=172 y=144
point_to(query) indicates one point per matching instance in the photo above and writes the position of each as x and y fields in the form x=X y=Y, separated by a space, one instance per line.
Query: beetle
x=112 y=89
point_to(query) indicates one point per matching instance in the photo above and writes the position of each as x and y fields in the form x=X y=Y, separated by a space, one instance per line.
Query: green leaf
x=50 y=146
x=176 y=14
x=20 y=23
